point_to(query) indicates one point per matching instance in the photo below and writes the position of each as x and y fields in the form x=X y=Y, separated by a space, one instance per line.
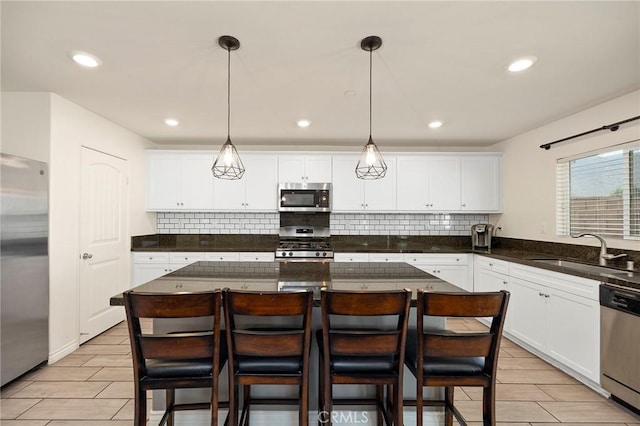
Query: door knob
x=86 y=256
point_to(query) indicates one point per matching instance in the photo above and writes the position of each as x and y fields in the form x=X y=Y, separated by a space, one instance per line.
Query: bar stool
x=449 y=359
x=179 y=359
x=267 y=355
x=355 y=352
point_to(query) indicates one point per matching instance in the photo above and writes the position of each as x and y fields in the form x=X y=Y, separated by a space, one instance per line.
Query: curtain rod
x=613 y=127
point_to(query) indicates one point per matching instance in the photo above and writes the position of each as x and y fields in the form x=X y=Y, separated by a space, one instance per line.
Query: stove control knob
x=317 y=253
x=284 y=253
x=290 y=253
x=324 y=253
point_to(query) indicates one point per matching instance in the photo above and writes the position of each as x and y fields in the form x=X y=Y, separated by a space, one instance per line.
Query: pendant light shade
x=371 y=164
x=228 y=164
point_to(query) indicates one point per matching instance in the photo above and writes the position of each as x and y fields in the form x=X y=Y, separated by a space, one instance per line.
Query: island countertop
x=287 y=276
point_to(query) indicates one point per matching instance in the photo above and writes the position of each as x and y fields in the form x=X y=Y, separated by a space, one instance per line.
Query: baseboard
x=63 y=351
x=290 y=417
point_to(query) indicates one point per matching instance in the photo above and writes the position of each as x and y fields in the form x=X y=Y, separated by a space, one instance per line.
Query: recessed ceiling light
x=435 y=124
x=303 y=123
x=171 y=122
x=522 y=64
x=85 y=59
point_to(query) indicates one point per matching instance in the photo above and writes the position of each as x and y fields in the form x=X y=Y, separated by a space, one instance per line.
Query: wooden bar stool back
x=448 y=359
x=362 y=341
x=267 y=355
x=178 y=359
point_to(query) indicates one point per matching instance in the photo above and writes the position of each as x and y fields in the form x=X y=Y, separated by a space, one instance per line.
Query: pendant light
x=228 y=164
x=371 y=164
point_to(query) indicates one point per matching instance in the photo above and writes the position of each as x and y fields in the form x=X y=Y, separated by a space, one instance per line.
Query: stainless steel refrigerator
x=24 y=268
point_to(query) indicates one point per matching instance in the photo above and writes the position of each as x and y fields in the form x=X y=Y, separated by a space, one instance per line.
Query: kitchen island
x=288 y=276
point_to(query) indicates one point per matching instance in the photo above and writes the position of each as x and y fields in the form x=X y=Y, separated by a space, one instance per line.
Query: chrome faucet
x=604 y=256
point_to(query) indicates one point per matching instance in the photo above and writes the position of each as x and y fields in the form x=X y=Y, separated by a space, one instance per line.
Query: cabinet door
x=318 y=168
x=412 y=186
x=348 y=190
x=163 y=181
x=291 y=169
x=380 y=194
x=196 y=184
x=456 y=275
x=261 y=182
x=527 y=314
x=573 y=332
x=443 y=176
x=229 y=194
x=480 y=183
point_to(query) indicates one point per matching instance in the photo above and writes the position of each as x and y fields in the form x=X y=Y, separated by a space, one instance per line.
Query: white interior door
x=103 y=240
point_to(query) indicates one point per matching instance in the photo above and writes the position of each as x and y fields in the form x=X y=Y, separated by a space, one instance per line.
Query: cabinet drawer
x=386 y=257
x=571 y=284
x=495 y=265
x=150 y=257
x=257 y=257
x=351 y=257
x=185 y=258
x=222 y=256
x=437 y=259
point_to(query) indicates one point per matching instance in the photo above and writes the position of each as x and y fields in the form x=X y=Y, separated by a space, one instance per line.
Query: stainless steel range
x=304 y=237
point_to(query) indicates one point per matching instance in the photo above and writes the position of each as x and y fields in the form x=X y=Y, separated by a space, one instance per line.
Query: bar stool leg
x=448 y=398
x=488 y=405
x=170 y=401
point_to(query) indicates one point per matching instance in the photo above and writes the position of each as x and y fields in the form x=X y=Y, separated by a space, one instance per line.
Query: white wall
x=48 y=127
x=26 y=119
x=529 y=171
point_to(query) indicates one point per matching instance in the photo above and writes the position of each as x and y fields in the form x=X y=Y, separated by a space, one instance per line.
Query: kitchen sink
x=584 y=267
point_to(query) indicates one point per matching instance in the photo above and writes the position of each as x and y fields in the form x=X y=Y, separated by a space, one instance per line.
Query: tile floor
x=93 y=387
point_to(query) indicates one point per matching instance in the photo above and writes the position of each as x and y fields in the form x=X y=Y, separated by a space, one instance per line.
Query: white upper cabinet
x=449 y=183
x=257 y=190
x=304 y=168
x=353 y=194
x=481 y=183
x=179 y=180
x=429 y=183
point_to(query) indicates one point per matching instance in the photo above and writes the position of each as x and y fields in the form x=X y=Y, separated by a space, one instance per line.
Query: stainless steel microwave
x=304 y=197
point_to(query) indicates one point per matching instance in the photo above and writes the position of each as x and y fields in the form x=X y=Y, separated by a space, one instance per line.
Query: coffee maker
x=481 y=235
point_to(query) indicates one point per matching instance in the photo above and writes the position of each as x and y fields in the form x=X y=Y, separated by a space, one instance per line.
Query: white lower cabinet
x=562 y=325
x=148 y=266
x=452 y=268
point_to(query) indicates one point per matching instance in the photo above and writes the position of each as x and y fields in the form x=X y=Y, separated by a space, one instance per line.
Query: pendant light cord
x=228 y=93
x=370 y=88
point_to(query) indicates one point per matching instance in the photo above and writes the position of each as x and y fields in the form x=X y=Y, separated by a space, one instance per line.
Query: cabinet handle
x=504 y=282
x=547 y=296
x=457 y=260
x=464 y=205
x=540 y=294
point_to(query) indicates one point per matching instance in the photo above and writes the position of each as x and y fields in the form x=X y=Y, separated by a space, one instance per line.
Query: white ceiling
x=439 y=60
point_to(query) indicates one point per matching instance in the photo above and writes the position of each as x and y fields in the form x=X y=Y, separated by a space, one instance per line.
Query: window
x=599 y=192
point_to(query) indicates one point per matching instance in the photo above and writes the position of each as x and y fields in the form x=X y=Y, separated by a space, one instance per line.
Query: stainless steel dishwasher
x=620 y=343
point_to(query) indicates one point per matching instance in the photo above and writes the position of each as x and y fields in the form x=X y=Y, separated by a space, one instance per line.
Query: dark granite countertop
x=619 y=277
x=283 y=276
x=269 y=243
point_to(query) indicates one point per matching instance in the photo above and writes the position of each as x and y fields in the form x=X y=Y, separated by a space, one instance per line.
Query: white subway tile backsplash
x=341 y=224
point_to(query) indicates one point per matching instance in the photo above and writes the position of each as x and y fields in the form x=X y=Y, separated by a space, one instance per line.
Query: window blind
x=599 y=192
